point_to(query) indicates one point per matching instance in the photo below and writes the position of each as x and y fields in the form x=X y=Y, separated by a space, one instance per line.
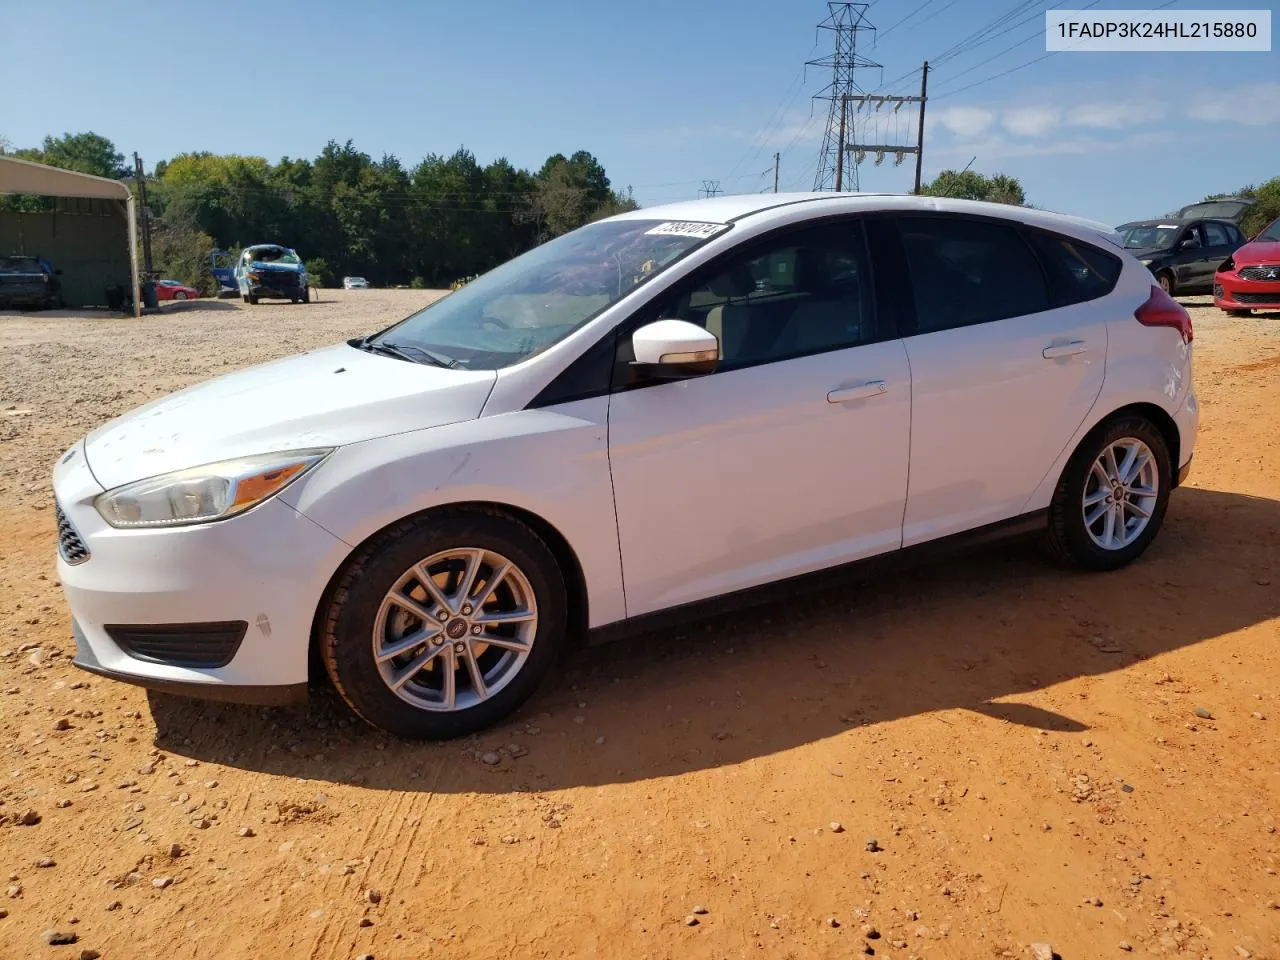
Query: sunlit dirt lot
x=1040 y=756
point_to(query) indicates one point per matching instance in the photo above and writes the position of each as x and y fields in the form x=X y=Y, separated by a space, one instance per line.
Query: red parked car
x=174 y=290
x=1249 y=279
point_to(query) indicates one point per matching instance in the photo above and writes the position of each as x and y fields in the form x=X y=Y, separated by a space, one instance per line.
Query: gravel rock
x=1042 y=951
x=62 y=723
x=161 y=882
x=490 y=758
x=175 y=850
x=873 y=846
x=1202 y=713
x=832 y=922
x=700 y=910
x=89 y=954
x=691 y=921
x=373 y=896
x=46 y=862
x=836 y=827
x=58 y=937
x=28 y=818
x=366 y=922
x=1126 y=946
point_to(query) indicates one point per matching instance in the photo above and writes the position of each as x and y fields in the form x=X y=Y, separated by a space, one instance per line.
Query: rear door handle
x=863 y=391
x=1057 y=350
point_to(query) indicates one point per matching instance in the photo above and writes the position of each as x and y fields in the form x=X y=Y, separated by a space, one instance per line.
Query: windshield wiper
x=409 y=352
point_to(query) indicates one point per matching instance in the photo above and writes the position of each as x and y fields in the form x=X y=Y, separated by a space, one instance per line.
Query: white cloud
x=1255 y=105
x=998 y=148
x=1117 y=115
x=1031 y=121
x=962 y=121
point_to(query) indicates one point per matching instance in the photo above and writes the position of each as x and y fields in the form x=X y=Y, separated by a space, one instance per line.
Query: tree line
x=347 y=214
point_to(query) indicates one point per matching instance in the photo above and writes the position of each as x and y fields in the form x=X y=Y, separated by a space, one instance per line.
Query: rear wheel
x=1111 y=499
x=1166 y=281
x=251 y=299
x=444 y=625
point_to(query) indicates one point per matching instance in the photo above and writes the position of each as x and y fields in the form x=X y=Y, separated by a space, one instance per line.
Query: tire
x=1167 y=283
x=251 y=300
x=306 y=295
x=1070 y=539
x=244 y=298
x=179 y=295
x=355 y=619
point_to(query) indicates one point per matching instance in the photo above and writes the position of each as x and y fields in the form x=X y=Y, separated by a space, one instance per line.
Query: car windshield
x=275 y=255
x=1271 y=233
x=530 y=303
x=1222 y=209
x=1151 y=236
x=20 y=264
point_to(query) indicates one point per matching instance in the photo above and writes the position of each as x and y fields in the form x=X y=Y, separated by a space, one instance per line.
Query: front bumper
x=276 y=288
x=1234 y=293
x=267 y=567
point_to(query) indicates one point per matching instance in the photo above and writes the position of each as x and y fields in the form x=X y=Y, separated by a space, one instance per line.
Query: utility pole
x=924 y=99
x=710 y=188
x=845 y=21
x=900 y=151
x=844 y=112
x=776 y=160
x=146 y=215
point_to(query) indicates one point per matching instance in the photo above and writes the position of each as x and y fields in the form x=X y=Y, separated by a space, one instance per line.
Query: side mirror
x=674 y=349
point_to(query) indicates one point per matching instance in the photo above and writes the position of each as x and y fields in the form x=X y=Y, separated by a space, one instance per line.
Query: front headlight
x=1146 y=261
x=201 y=494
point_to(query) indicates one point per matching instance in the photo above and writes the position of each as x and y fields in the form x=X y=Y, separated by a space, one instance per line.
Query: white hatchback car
x=355 y=283
x=666 y=407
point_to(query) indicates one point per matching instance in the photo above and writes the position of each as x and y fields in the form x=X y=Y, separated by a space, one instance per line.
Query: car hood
x=328 y=397
x=1148 y=252
x=283 y=267
x=1258 y=251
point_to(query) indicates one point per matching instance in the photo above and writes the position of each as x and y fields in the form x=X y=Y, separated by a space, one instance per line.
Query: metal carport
x=23 y=176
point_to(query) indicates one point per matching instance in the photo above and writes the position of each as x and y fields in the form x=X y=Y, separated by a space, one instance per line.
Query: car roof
x=730 y=209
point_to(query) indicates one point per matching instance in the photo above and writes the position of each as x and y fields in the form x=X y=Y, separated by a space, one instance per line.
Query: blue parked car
x=272 y=272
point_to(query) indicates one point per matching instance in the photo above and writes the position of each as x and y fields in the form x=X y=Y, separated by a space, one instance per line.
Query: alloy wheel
x=1120 y=493
x=455 y=629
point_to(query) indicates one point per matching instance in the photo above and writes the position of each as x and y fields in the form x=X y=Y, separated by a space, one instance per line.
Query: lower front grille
x=70 y=546
x=1264 y=273
x=1258 y=298
x=181 y=644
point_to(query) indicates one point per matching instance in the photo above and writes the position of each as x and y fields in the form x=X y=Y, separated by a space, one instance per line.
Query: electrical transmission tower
x=710 y=188
x=845 y=21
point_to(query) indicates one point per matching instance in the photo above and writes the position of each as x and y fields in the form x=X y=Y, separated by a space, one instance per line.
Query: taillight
x=1161 y=310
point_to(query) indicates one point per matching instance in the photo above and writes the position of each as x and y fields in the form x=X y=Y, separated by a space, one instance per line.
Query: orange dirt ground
x=1027 y=746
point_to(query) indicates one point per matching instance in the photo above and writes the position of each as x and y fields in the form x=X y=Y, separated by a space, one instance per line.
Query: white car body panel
x=324 y=398
x=989 y=414
x=552 y=463
x=666 y=494
x=730 y=481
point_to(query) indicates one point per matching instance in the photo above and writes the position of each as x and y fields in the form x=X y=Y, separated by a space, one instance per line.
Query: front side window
x=966 y=271
x=804 y=291
x=1215 y=235
x=532 y=302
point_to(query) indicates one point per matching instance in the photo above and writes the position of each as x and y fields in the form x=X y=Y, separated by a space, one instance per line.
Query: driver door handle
x=1071 y=349
x=863 y=391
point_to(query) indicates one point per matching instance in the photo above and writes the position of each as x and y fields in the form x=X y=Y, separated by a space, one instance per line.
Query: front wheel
x=179 y=295
x=443 y=625
x=1111 y=499
x=251 y=300
x=1166 y=281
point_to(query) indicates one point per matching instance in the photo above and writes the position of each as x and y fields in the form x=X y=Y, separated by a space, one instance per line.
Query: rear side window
x=1077 y=272
x=967 y=271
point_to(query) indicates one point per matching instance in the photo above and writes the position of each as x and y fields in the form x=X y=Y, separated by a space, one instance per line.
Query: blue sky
x=665 y=93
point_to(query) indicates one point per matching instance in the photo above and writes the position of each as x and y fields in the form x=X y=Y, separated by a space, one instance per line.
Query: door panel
x=732 y=480
x=991 y=413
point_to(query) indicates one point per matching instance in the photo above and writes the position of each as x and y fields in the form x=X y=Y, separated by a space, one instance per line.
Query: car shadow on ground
x=960 y=633
x=201 y=305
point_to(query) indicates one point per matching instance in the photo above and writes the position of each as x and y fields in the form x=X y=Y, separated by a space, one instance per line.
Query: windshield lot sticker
x=686 y=228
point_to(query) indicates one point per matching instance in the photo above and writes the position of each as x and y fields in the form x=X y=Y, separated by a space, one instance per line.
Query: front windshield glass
x=1150 y=236
x=524 y=306
x=1271 y=233
x=275 y=255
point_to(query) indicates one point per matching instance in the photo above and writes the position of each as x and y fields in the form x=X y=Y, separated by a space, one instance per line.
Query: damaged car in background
x=269 y=271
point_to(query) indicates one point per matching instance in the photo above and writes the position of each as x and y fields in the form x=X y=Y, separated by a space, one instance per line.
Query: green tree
x=85 y=152
x=971 y=185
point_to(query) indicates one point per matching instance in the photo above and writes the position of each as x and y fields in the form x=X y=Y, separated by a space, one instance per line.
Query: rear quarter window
x=1077 y=272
